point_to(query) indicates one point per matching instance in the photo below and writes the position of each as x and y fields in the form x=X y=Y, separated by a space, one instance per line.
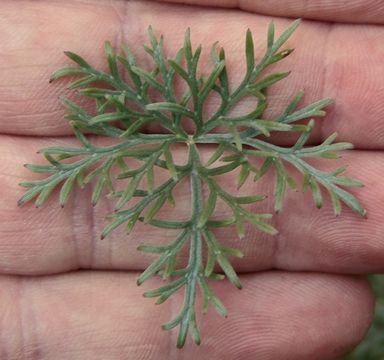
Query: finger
x=327 y=63
x=51 y=239
x=355 y=11
x=103 y=315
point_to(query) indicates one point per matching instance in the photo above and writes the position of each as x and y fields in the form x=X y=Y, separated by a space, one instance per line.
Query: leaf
x=229 y=271
x=249 y=52
x=249 y=199
x=109 y=117
x=179 y=70
x=302 y=140
x=155 y=208
x=29 y=195
x=44 y=194
x=280 y=186
x=169 y=162
x=216 y=155
x=82 y=82
x=293 y=104
x=335 y=203
x=240 y=228
x=172 y=107
x=232 y=252
x=316 y=193
x=271 y=34
x=208 y=208
x=268 y=81
x=236 y=137
x=349 y=200
x=112 y=61
x=123 y=102
x=285 y=36
x=129 y=191
x=134 y=127
x=148 y=78
x=243 y=175
x=264 y=168
x=97 y=190
x=152 y=269
x=66 y=189
x=212 y=79
x=77 y=59
x=309 y=111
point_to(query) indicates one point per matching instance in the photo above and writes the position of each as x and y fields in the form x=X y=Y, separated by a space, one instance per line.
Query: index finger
x=339 y=61
x=354 y=11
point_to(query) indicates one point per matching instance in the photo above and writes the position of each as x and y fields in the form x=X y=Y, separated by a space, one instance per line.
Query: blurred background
x=372 y=347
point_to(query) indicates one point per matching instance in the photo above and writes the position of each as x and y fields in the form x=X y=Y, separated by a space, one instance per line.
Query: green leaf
x=335 y=203
x=169 y=162
x=40 y=168
x=285 y=36
x=346 y=181
x=77 y=59
x=243 y=175
x=208 y=209
x=177 y=284
x=97 y=190
x=152 y=269
x=229 y=271
x=302 y=140
x=132 y=222
x=293 y=104
x=240 y=227
x=134 y=127
x=268 y=81
x=349 y=200
x=271 y=34
x=264 y=168
x=112 y=61
x=172 y=107
x=236 y=137
x=280 y=186
x=216 y=155
x=123 y=101
x=148 y=78
x=316 y=193
x=281 y=55
x=109 y=117
x=129 y=191
x=44 y=194
x=29 y=195
x=66 y=189
x=249 y=199
x=249 y=52
x=155 y=208
x=179 y=70
x=82 y=82
x=309 y=111
x=212 y=79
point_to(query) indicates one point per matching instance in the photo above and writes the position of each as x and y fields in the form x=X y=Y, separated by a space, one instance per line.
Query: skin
x=304 y=296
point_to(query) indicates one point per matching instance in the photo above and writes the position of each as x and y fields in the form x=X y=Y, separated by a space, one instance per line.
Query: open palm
x=302 y=297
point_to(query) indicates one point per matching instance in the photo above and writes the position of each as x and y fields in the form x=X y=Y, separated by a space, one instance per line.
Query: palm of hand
x=271 y=317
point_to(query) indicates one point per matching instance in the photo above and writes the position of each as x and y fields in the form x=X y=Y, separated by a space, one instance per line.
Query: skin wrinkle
x=30 y=347
x=84 y=259
x=74 y=231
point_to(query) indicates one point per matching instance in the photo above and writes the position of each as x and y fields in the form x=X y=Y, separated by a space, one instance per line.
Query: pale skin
x=303 y=297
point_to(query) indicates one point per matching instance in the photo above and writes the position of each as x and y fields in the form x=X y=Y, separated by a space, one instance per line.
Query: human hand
x=299 y=311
